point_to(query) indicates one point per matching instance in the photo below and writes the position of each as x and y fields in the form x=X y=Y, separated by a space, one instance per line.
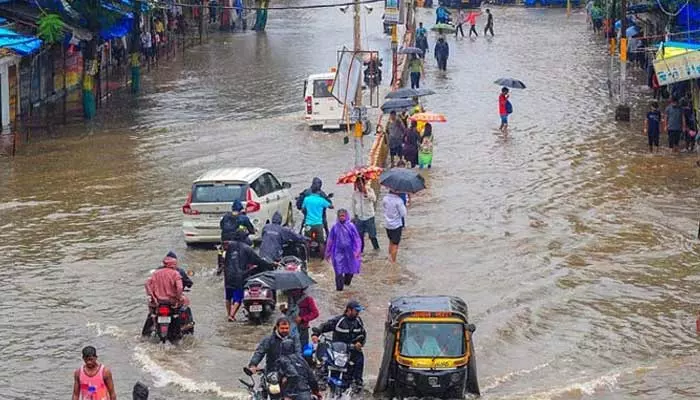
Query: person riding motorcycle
x=239 y=255
x=274 y=236
x=298 y=379
x=269 y=346
x=348 y=328
x=165 y=285
x=316 y=185
x=232 y=221
x=373 y=66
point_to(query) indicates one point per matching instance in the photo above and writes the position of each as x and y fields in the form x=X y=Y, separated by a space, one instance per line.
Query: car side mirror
x=471 y=327
x=330 y=195
x=247 y=371
x=286 y=185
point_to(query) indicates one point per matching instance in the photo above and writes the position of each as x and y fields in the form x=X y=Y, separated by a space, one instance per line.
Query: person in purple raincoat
x=344 y=250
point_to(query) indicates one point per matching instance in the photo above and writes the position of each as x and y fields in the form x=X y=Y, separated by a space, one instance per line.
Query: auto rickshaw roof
x=404 y=305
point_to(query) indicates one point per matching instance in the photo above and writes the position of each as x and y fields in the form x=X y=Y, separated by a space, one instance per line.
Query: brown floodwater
x=574 y=248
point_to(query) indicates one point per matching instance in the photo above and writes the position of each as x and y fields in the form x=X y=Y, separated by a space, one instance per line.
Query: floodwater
x=574 y=248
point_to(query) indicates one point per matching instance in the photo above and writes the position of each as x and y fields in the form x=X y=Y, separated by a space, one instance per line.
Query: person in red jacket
x=503 y=109
x=301 y=310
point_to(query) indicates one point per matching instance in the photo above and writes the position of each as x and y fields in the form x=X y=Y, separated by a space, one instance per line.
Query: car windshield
x=218 y=192
x=432 y=339
x=322 y=88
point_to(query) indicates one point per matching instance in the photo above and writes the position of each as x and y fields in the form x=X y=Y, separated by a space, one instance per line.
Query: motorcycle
x=334 y=368
x=295 y=256
x=172 y=322
x=267 y=388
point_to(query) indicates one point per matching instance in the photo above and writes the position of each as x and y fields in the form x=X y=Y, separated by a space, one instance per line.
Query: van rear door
x=325 y=106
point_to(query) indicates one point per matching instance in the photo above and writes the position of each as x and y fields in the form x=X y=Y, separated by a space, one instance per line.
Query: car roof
x=407 y=304
x=245 y=174
x=325 y=75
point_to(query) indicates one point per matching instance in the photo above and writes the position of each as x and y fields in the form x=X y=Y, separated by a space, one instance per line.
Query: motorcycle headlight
x=340 y=359
x=274 y=389
x=454 y=378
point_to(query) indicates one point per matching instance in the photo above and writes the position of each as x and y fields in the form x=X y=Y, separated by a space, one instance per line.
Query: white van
x=322 y=109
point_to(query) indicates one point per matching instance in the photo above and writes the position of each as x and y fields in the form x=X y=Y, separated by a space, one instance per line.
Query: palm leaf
x=50 y=28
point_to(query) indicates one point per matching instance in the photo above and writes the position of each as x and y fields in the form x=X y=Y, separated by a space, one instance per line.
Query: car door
x=260 y=187
x=277 y=194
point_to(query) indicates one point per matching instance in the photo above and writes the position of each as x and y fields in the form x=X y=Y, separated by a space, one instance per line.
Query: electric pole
x=358 y=94
x=622 y=112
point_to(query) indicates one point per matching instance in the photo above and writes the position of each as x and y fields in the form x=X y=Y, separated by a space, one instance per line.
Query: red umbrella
x=368 y=173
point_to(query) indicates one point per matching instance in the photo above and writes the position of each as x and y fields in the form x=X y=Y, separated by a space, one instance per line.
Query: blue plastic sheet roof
x=20 y=44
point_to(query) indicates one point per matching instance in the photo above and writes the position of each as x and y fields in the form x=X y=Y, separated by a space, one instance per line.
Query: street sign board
x=678 y=68
x=347 y=77
x=391 y=12
x=358 y=114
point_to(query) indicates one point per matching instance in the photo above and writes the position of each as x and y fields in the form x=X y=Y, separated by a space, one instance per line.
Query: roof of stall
x=20 y=44
x=672 y=49
x=408 y=304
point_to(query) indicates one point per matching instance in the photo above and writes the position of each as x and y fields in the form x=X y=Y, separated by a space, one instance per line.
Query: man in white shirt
x=394 y=212
x=363 y=199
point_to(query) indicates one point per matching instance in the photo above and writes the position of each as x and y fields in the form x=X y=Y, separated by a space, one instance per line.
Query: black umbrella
x=398 y=105
x=411 y=50
x=284 y=280
x=402 y=180
x=511 y=83
x=407 y=93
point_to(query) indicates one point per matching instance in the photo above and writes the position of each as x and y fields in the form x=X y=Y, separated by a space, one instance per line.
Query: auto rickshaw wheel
x=472 y=382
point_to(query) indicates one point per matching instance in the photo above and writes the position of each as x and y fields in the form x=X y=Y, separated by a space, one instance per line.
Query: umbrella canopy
x=510 y=83
x=402 y=180
x=368 y=173
x=445 y=28
x=411 y=50
x=406 y=93
x=284 y=280
x=428 y=117
x=398 y=105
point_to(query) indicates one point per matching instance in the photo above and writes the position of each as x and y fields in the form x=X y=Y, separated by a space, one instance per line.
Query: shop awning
x=20 y=44
x=677 y=62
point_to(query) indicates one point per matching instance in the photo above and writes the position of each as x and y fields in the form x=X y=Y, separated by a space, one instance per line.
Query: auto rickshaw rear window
x=420 y=339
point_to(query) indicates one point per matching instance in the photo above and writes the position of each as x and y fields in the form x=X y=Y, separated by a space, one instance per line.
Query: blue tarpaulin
x=20 y=44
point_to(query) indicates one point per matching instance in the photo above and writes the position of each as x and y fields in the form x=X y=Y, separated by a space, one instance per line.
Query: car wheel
x=290 y=216
x=472 y=382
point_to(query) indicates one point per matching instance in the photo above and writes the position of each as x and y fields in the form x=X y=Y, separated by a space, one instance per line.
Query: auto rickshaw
x=428 y=349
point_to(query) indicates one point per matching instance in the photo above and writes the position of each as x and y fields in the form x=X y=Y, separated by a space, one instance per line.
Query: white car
x=214 y=192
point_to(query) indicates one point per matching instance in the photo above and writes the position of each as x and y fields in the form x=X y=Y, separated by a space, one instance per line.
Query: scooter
x=267 y=388
x=295 y=256
x=259 y=300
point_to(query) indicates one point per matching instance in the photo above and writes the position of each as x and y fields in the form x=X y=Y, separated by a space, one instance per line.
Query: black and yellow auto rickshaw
x=428 y=349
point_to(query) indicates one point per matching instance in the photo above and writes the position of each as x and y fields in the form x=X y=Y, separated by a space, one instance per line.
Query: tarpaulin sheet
x=20 y=44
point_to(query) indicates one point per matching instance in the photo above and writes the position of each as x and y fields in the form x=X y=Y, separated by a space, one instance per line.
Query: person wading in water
x=93 y=381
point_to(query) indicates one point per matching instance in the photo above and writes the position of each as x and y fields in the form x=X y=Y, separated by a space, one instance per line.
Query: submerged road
x=572 y=247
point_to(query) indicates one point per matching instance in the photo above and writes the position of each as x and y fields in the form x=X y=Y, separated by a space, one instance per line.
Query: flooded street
x=574 y=248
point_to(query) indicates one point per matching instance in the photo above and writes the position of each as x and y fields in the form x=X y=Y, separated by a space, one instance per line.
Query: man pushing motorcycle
x=348 y=328
x=165 y=285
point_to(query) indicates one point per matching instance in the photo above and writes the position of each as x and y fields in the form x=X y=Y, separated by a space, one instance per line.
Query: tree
x=50 y=28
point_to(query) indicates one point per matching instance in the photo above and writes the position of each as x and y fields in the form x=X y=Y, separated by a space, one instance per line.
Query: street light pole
x=358 y=94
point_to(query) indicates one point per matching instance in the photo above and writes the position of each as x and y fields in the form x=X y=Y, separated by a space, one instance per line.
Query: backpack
x=300 y=200
x=229 y=223
x=509 y=107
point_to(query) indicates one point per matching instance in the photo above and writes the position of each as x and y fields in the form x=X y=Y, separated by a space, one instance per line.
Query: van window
x=218 y=192
x=273 y=183
x=260 y=186
x=322 y=88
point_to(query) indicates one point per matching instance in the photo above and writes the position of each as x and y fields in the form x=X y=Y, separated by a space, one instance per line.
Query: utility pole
x=622 y=112
x=358 y=94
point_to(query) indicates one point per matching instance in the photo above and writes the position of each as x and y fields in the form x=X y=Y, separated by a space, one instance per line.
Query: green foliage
x=50 y=28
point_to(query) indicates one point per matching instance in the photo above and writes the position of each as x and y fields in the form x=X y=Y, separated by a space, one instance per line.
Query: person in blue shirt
x=314 y=207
